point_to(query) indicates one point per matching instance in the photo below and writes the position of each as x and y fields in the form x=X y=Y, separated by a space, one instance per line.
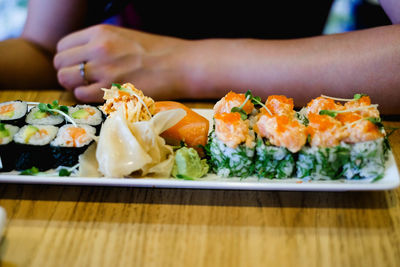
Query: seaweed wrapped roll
x=38 y=117
x=13 y=112
x=87 y=114
x=34 y=146
x=8 y=152
x=71 y=142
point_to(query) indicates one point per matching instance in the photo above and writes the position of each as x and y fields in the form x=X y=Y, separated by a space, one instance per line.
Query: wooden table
x=109 y=226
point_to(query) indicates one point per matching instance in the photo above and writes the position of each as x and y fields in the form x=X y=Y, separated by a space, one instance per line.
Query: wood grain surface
x=110 y=226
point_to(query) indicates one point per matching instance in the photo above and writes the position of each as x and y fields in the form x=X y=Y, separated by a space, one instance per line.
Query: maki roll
x=344 y=140
x=366 y=140
x=279 y=136
x=33 y=147
x=71 y=142
x=13 y=112
x=38 y=117
x=324 y=157
x=87 y=114
x=7 y=147
x=232 y=144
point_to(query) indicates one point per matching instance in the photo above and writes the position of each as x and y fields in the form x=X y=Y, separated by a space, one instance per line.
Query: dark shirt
x=220 y=19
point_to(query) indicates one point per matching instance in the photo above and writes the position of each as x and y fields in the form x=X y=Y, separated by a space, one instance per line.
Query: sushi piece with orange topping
x=232 y=145
x=325 y=156
x=279 y=136
x=13 y=112
x=344 y=140
x=70 y=142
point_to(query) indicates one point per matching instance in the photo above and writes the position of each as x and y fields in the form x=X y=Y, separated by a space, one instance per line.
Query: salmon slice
x=192 y=129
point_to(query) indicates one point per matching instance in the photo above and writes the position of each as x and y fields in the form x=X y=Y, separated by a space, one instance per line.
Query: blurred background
x=345 y=15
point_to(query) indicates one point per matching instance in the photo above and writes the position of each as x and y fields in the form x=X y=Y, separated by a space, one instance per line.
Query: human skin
x=163 y=67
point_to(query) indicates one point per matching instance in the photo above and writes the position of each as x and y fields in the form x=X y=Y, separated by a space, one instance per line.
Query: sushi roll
x=71 y=142
x=38 y=117
x=33 y=146
x=279 y=136
x=232 y=141
x=367 y=141
x=345 y=140
x=87 y=114
x=8 y=152
x=13 y=112
x=324 y=156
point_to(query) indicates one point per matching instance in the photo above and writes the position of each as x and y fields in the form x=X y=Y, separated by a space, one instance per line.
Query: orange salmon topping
x=43 y=132
x=6 y=108
x=77 y=135
x=321 y=122
x=230 y=118
x=363 y=102
x=321 y=103
x=279 y=104
x=348 y=117
x=90 y=111
x=231 y=100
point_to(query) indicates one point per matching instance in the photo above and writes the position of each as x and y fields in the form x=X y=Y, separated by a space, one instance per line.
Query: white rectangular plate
x=390 y=180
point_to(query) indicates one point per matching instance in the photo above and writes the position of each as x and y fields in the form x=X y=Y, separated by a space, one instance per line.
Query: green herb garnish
x=64 y=172
x=184 y=177
x=2 y=127
x=117 y=85
x=358 y=96
x=243 y=114
x=31 y=171
x=51 y=108
x=334 y=113
x=256 y=100
x=56 y=108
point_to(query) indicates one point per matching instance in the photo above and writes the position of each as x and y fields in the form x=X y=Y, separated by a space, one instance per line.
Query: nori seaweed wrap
x=8 y=152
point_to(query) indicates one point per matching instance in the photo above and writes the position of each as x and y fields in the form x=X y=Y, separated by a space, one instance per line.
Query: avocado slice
x=40 y=114
x=80 y=114
x=29 y=132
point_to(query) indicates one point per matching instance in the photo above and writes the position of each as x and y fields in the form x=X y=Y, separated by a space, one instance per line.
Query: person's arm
x=340 y=65
x=26 y=62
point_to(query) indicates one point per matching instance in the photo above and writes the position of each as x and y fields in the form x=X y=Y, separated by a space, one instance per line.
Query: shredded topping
x=131 y=100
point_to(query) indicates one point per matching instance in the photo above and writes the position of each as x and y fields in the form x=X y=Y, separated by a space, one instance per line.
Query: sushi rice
x=272 y=161
x=231 y=162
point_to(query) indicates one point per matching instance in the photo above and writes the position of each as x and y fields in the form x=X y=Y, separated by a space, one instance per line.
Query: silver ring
x=82 y=71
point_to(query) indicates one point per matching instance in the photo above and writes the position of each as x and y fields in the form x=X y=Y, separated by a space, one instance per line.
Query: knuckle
x=63 y=78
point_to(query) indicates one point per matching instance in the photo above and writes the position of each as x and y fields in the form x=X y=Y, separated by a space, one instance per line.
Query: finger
x=70 y=57
x=90 y=93
x=71 y=77
x=77 y=38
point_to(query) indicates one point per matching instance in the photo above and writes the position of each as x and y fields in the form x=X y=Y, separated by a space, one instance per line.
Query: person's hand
x=155 y=64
